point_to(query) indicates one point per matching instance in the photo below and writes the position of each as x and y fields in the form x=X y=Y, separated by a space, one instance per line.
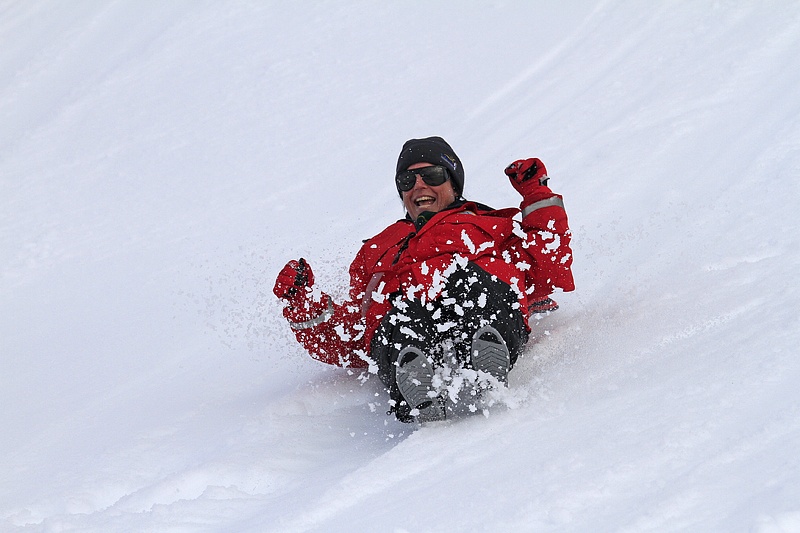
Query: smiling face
x=423 y=197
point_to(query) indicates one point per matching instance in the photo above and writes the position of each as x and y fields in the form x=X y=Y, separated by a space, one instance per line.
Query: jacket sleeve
x=336 y=336
x=547 y=242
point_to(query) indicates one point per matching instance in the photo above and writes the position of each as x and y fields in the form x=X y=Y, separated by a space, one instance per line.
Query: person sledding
x=444 y=293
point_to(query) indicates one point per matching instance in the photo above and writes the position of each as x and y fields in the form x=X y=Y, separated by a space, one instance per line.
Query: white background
x=160 y=162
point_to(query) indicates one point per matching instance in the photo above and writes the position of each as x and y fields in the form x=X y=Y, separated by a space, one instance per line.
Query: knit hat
x=436 y=151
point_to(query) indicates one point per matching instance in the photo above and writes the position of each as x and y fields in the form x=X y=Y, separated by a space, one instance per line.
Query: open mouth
x=424 y=201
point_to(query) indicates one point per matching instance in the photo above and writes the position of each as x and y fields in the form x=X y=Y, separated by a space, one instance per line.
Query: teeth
x=423 y=199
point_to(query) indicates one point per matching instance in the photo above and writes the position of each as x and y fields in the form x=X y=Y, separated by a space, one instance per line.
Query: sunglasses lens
x=432 y=176
x=406 y=180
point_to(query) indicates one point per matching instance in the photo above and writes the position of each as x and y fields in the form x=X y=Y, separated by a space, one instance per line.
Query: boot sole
x=491 y=357
x=415 y=380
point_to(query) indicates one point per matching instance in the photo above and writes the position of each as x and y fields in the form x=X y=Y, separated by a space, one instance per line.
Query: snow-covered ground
x=160 y=161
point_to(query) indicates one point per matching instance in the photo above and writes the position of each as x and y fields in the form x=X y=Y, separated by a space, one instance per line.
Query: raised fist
x=296 y=275
x=527 y=174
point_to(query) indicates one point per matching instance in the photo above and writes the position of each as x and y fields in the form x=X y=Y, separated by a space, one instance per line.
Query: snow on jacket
x=533 y=257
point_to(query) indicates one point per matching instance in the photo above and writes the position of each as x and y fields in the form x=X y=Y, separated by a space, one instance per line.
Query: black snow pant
x=443 y=328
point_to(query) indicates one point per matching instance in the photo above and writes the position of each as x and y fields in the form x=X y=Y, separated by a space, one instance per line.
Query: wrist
x=534 y=202
x=306 y=312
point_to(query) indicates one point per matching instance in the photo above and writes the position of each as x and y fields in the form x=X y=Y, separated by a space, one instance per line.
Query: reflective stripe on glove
x=306 y=314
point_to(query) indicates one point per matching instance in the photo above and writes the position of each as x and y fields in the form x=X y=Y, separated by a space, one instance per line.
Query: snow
x=161 y=161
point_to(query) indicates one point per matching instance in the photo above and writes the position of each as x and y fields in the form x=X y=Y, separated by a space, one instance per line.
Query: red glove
x=304 y=312
x=295 y=279
x=527 y=175
x=303 y=308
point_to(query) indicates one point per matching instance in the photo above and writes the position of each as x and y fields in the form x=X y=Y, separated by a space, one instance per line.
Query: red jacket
x=533 y=256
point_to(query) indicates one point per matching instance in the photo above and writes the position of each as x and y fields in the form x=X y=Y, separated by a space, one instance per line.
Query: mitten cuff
x=531 y=206
x=309 y=313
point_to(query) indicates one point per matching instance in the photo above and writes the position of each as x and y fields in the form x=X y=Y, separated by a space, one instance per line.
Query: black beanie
x=436 y=151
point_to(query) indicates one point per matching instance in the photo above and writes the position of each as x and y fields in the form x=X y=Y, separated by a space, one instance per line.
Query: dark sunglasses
x=432 y=176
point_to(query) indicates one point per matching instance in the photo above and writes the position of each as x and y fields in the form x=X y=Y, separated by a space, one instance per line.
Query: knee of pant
x=381 y=353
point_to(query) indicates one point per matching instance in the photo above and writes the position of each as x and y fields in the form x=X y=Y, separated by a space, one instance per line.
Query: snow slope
x=160 y=161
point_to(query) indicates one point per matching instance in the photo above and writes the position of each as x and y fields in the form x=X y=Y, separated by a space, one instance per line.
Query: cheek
x=447 y=197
